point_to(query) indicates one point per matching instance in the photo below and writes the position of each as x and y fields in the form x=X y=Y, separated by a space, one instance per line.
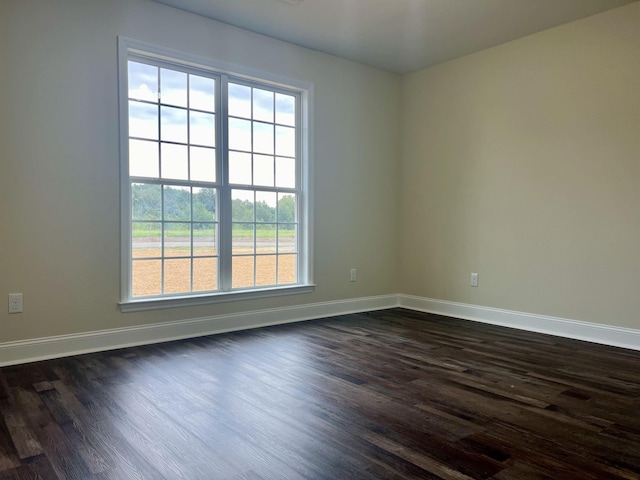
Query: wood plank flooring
x=393 y=394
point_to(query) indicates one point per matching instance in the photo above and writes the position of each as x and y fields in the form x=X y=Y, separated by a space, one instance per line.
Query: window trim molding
x=127 y=46
x=177 y=301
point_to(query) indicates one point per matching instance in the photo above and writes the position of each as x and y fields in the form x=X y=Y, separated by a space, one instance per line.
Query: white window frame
x=128 y=303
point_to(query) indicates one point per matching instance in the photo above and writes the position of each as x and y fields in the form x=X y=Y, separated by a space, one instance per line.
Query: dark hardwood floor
x=388 y=395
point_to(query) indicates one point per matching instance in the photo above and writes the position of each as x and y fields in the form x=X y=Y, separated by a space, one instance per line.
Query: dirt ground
x=269 y=269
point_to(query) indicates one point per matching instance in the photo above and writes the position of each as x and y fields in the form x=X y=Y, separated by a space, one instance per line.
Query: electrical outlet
x=474 y=279
x=354 y=275
x=15 y=303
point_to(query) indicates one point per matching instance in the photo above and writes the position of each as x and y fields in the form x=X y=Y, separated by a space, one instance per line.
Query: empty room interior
x=326 y=239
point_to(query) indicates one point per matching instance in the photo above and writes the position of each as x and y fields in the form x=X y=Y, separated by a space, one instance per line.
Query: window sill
x=157 y=303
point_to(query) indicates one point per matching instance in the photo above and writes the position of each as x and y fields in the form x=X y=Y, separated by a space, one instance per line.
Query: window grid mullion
x=253 y=181
x=170 y=182
x=253 y=167
x=189 y=178
x=255 y=240
x=273 y=126
x=188 y=128
x=226 y=235
x=191 y=252
x=162 y=227
x=273 y=107
x=162 y=231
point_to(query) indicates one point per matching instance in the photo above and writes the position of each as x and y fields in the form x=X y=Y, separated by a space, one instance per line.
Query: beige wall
x=522 y=163
x=59 y=186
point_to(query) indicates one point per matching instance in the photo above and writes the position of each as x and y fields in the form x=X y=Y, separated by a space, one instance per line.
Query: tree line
x=179 y=204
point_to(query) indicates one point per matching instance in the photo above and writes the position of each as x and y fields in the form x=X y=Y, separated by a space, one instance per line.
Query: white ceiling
x=396 y=35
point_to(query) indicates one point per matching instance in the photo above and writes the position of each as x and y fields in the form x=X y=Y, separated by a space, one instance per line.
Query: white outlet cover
x=15 y=303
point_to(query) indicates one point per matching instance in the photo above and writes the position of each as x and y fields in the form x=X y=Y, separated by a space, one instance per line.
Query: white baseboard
x=562 y=327
x=25 y=351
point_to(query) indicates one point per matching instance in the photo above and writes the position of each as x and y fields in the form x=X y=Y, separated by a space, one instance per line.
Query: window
x=215 y=182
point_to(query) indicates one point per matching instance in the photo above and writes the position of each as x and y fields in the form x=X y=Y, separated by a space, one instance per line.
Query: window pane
x=287 y=269
x=239 y=101
x=263 y=170
x=143 y=159
x=173 y=87
x=240 y=168
x=146 y=202
x=242 y=206
x=205 y=274
x=173 y=127
x=174 y=137
x=204 y=239
x=146 y=239
x=203 y=164
x=143 y=82
x=266 y=206
x=265 y=238
x=266 y=270
x=143 y=120
x=285 y=172
x=204 y=204
x=239 y=134
x=286 y=208
x=146 y=277
x=262 y=105
x=243 y=239
x=202 y=93
x=243 y=272
x=285 y=109
x=286 y=141
x=175 y=163
x=177 y=203
x=177 y=239
x=202 y=129
x=262 y=138
x=177 y=275
x=286 y=239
